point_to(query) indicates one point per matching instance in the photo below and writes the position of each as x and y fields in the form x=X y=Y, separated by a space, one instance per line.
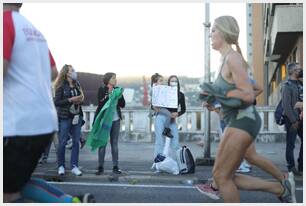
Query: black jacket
x=181 y=101
x=62 y=94
x=102 y=99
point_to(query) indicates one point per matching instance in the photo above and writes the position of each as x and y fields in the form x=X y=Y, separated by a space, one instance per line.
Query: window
x=272 y=85
x=283 y=72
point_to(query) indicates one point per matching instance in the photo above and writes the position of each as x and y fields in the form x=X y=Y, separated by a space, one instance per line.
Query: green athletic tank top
x=225 y=86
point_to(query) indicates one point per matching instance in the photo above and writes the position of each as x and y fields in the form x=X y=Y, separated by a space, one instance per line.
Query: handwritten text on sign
x=164 y=96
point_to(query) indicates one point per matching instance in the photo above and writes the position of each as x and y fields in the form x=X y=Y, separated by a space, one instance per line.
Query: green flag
x=100 y=131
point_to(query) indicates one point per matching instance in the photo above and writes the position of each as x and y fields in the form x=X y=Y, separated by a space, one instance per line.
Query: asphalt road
x=128 y=193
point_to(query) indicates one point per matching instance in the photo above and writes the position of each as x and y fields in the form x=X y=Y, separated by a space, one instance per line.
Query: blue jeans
x=162 y=121
x=290 y=144
x=65 y=126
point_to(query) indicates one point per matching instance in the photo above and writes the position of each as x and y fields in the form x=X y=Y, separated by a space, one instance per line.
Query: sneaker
x=246 y=164
x=243 y=169
x=76 y=171
x=61 y=170
x=296 y=172
x=167 y=133
x=288 y=184
x=100 y=170
x=86 y=198
x=207 y=190
x=116 y=170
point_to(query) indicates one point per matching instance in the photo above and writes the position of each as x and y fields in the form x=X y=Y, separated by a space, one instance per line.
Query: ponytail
x=238 y=49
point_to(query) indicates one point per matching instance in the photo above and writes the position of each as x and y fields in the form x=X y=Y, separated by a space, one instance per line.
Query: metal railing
x=139 y=121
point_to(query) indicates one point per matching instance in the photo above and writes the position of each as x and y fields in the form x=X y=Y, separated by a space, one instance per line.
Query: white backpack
x=185 y=160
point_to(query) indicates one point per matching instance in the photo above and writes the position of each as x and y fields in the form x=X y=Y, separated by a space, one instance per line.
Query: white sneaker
x=76 y=171
x=61 y=170
x=243 y=169
x=246 y=164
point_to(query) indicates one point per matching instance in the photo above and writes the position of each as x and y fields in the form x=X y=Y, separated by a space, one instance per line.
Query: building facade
x=277 y=39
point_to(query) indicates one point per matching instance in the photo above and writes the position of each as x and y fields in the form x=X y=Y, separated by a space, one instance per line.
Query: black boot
x=100 y=170
x=167 y=133
x=116 y=170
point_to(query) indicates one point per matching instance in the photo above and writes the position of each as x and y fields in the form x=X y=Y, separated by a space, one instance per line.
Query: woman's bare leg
x=246 y=182
x=265 y=164
x=230 y=152
x=229 y=155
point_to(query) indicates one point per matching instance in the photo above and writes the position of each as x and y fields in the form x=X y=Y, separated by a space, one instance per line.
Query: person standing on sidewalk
x=162 y=120
x=243 y=122
x=292 y=92
x=29 y=115
x=173 y=81
x=68 y=99
x=110 y=82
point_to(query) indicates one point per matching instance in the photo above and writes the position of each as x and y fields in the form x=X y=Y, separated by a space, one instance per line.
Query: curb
x=122 y=178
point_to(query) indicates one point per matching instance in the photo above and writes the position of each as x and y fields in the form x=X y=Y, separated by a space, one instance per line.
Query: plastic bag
x=168 y=165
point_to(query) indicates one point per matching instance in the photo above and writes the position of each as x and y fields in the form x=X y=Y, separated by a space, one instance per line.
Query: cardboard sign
x=164 y=96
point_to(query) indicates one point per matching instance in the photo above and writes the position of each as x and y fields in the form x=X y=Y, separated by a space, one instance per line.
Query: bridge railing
x=138 y=124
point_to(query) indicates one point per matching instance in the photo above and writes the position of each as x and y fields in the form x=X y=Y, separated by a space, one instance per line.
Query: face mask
x=74 y=75
x=173 y=84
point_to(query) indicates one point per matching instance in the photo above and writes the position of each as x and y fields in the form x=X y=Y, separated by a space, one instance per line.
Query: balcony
x=286 y=28
x=138 y=124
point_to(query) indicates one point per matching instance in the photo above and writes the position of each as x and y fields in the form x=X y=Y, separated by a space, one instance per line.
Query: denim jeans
x=65 y=127
x=290 y=144
x=161 y=121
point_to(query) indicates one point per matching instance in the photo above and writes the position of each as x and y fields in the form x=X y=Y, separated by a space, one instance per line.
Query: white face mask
x=173 y=84
x=74 y=75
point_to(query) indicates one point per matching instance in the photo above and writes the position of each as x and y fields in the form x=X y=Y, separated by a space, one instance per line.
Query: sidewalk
x=135 y=160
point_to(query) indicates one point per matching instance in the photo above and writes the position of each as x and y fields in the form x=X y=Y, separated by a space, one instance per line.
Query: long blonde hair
x=62 y=76
x=229 y=28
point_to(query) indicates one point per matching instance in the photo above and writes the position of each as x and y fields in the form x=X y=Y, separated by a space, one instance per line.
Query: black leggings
x=20 y=157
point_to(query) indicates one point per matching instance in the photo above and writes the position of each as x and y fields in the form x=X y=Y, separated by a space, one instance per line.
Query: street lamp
x=207 y=157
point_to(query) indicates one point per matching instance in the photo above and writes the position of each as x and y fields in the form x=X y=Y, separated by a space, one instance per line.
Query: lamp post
x=207 y=79
x=207 y=160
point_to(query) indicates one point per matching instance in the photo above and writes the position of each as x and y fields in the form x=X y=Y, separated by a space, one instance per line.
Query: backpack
x=279 y=114
x=185 y=160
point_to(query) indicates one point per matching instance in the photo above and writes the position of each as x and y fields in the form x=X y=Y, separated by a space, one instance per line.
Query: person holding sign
x=173 y=81
x=165 y=117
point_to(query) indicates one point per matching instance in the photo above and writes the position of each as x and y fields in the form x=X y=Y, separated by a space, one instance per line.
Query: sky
x=131 y=39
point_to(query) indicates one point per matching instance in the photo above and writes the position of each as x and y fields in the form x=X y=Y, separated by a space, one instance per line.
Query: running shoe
x=86 y=198
x=207 y=190
x=288 y=184
x=243 y=169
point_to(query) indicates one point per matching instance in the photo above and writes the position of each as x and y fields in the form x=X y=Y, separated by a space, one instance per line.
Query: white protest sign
x=164 y=96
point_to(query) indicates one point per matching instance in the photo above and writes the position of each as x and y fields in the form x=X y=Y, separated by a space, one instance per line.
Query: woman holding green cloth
x=109 y=96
